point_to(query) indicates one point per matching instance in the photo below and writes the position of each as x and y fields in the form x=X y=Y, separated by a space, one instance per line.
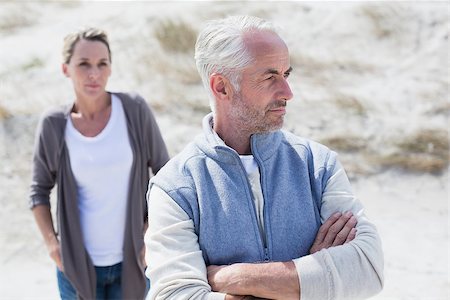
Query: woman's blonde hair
x=90 y=34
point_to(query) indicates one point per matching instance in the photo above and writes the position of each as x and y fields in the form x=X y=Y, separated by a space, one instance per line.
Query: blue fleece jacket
x=209 y=182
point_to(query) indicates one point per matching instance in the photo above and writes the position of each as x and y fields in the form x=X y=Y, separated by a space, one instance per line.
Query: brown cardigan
x=51 y=165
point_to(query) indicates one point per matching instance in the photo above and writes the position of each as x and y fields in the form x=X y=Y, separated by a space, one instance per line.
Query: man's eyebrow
x=274 y=71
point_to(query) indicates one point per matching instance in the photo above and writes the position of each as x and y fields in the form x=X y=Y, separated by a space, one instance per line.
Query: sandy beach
x=370 y=80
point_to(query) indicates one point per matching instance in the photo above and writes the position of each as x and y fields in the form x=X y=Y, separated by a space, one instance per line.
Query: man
x=237 y=213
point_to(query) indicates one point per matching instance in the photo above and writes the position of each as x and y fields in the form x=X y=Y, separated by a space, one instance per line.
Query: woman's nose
x=93 y=73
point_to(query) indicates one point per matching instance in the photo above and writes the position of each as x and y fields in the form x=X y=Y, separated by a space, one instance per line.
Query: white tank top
x=101 y=166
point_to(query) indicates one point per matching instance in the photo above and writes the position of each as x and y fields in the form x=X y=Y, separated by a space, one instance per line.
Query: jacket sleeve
x=350 y=271
x=175 y=263
x=45 y=160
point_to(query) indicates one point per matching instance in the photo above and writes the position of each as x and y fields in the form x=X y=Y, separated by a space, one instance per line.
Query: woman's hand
x=54 y=250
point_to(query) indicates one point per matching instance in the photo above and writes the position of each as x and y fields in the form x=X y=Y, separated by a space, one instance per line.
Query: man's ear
x=65 y=70
x=220 y=86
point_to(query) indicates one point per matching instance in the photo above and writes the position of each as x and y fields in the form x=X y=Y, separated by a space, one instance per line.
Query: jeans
x=108 y=283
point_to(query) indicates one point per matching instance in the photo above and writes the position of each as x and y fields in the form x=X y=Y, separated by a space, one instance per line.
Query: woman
x=98 y=151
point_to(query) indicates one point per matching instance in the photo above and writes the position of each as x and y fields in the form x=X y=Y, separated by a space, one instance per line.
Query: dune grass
x=424 y=151
x=34 y=62
x=384 y=18
x=175 y=36
x=345 y=143
x=14 y=17
x=4 y=113
x=427 y=150
x=350 y=103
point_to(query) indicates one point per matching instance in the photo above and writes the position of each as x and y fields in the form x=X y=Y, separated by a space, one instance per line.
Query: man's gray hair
x=220 y=49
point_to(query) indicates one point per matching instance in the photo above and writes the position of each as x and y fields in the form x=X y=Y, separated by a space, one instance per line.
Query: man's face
x=260 y=105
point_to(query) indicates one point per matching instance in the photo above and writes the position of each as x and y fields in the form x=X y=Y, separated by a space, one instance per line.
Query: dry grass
x=384 y=18
x=350 y=103
x=427 y=141
x=174 y=59
x=345 y=143
x=4 y=113
x=326 y=70
x=425 y=151
x=307 y=64
x=14 y=17
x=33 y=63
x=177 y=68
x=185 y=104
x=413 y=162
x=176 y=36
x=440 y=109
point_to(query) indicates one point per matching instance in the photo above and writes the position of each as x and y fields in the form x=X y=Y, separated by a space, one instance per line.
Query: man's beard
x=253 y=120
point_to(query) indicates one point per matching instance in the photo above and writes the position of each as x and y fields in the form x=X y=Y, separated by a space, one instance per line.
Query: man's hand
x=234 y=297
x=269 y=280
x=224 y=279
x=256 y=281
x=218 y=278
x=337 y=230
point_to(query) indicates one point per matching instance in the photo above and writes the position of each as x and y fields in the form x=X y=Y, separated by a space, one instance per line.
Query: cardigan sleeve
x=350 y=271
x=44 y=163
x=155 y=147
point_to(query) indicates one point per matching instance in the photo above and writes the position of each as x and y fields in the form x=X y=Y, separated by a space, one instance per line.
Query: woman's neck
x=92 y=108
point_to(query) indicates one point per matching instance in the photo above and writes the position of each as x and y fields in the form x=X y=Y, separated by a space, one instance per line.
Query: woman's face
x=89 y=68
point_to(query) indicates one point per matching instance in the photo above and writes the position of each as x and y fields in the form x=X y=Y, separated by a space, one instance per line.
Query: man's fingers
x=343 y=234
x=336 y=228
x=323 y=230
x=351 y=235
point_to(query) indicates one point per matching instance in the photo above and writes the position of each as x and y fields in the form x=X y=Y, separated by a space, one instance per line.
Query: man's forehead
x=270 y=63
x=256 y=39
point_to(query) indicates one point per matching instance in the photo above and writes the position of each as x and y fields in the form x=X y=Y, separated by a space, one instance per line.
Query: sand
x=369 y=78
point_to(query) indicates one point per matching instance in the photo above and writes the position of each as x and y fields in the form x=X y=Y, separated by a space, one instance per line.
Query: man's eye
x=286 y=75
x=83 y=64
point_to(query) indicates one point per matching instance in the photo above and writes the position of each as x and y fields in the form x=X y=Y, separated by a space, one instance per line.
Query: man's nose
x=285 y=90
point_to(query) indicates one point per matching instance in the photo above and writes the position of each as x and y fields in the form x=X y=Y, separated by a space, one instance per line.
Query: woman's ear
x=64 y=68
x=219 y=86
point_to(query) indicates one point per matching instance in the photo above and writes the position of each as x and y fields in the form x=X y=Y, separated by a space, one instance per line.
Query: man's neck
x=234 y=138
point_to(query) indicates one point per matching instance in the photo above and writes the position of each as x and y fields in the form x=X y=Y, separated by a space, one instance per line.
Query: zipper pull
x=266 y=255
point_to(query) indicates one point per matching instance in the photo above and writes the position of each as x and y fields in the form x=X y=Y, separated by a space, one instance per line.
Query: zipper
x=261 y=175
x=262 y=236
x=266 y=254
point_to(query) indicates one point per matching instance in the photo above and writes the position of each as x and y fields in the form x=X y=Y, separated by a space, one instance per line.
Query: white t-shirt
x=251 y=168
x=101 y=166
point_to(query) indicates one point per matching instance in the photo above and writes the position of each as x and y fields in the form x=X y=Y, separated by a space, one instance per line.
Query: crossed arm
x=352 y=270
x=270 y=280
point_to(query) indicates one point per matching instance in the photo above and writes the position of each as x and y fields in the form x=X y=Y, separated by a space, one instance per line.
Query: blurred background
x=370 y=80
